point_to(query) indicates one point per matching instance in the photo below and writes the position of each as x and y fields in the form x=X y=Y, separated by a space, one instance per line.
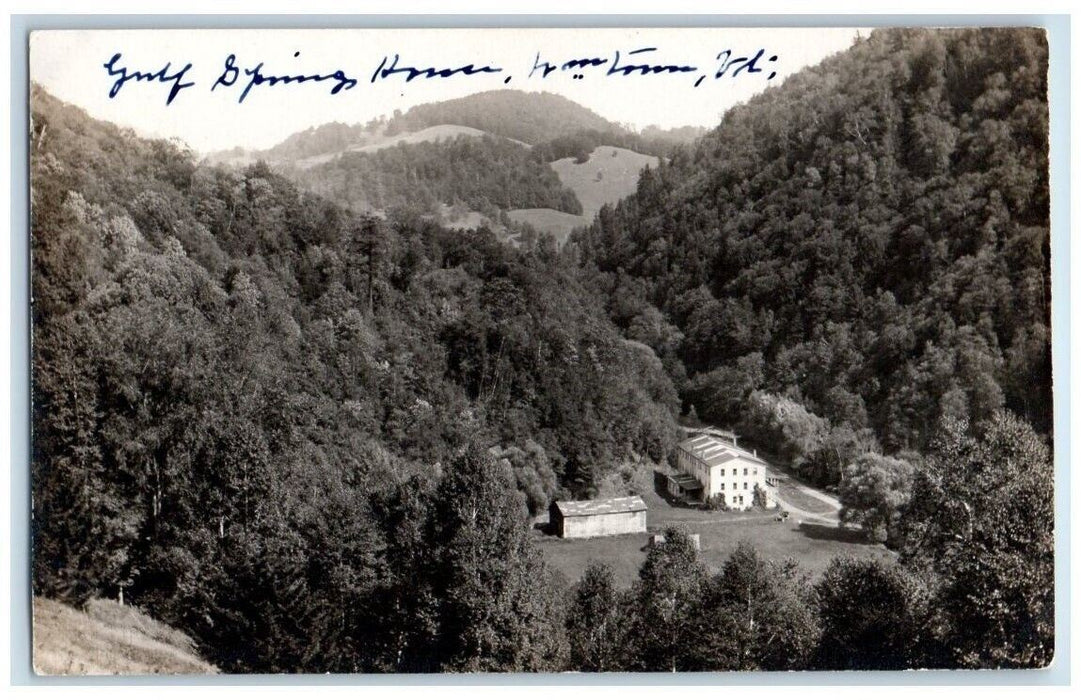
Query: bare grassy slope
x=108 y=639
x=431 y=134
x=558 y=223
x=439 y=132
x=608 y=176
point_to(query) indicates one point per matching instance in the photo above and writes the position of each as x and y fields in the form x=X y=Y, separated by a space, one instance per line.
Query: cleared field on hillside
x=608 y=176
x=375 y=143
x=812 y=545
x=108 y=639
x=432 y=133
x=558 y=223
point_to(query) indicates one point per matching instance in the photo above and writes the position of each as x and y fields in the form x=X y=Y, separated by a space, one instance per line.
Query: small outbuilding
x=608 y=516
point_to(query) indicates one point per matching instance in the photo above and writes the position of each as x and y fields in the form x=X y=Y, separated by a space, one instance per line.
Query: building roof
x=714 y=451
x=604 y=506
x=686 y=481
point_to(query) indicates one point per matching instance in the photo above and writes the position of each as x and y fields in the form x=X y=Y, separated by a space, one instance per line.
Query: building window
x=745 y=471
x=744 y=486
x=722 y=487
x=734 y=486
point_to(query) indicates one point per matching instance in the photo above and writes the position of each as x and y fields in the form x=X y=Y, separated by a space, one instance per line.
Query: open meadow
x=608 y=176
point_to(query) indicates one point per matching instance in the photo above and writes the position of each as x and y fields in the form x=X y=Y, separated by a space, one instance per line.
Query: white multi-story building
x=710 y=465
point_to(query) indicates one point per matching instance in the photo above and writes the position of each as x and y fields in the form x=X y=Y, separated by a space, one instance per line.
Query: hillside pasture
x=608 y=176
x=558 y=223
x=436 y=133
x=432 y=134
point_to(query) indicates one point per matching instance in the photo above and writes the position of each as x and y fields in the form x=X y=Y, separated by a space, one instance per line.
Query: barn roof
x=603 y=506
x=715 y=452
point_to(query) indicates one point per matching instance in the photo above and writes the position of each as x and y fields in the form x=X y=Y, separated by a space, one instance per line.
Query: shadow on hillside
x=832 y=533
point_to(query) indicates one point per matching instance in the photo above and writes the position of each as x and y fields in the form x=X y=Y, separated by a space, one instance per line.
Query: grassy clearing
x=558 y=223
x=812 y=545
x=370 y=143
x=108 y=639
x=608 y=176
x=440 y=132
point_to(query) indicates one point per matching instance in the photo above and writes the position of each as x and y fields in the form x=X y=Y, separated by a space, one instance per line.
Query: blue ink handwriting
x=382 y=72
x=730 y=66
x=231 y=74
x=161 y=76
x=619 y=64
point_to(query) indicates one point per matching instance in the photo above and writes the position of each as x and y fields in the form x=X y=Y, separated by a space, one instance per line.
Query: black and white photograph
x=541 y=350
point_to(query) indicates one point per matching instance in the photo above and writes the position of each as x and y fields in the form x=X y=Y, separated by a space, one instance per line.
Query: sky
x=72 y=66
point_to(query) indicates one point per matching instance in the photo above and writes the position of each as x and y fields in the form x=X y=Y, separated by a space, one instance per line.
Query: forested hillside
x=850 y=260
x=486 y=174
x=250 y=403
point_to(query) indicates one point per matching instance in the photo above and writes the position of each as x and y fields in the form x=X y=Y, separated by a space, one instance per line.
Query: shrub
x=716 y=502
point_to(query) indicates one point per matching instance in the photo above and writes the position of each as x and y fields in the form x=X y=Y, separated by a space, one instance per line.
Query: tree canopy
x=869 y=243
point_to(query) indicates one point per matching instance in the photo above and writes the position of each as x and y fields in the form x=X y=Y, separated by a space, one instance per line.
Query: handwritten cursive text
x=123 y=75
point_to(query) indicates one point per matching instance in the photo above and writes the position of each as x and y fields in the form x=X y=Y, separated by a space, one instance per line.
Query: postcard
x=373 y=351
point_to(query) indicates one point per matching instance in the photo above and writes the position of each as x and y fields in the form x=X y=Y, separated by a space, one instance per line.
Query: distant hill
x=526 y=117
x=560 y=126
x=306 y=149
x=651 y=141
x=331 y=138
x=326 y=138
x=531 y=117
x=527 y=154
x=679 y=134
x=439 y=132
x=108 y=639
x=485 y=174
